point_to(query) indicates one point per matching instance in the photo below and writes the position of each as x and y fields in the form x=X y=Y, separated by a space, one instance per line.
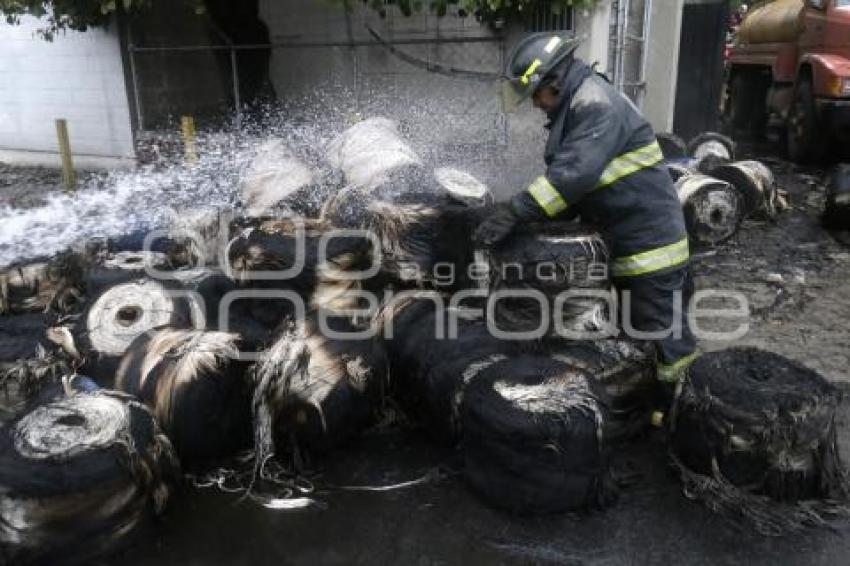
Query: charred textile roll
x=424 y=228
x=837 y=213
x=278 y=179
x=122 y=267
x=77 y=475
x=753 y=435
x=625 y=370
x=316 y=388
x=32 y=375
x=755 y=182
x=368 y=152
x=196 y=388
x=712 y=144
x=672 y=146
x=532 y=437
x=463 y=187
x=431 y=369
x=55 y=284
x=563 y=260
x=713 y=208
x=277 y=246
x=118 y=316
x=679 y=169
x=21 y=336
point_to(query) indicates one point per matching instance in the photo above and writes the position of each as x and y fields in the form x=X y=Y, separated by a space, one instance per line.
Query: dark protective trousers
x=651 y=303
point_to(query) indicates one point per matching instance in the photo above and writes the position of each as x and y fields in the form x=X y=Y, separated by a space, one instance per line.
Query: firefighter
x=603 y=163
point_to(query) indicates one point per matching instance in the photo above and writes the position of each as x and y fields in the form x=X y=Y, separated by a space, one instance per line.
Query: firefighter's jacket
x=604 y=164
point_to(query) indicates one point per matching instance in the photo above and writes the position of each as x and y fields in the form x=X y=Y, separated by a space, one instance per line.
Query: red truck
x=789 y=70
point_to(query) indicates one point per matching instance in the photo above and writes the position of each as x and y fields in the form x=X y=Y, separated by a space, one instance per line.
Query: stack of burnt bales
x=538 y=266
x=532 y=389
x=530 y=427
x=716 y=191
x=422 y=218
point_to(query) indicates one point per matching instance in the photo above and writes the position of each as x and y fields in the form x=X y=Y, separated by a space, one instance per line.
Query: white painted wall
x=79 y=77
x=594 y=28
x=662 y=69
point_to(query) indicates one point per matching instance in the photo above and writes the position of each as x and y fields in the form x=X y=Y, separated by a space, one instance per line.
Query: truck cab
x=789 y=72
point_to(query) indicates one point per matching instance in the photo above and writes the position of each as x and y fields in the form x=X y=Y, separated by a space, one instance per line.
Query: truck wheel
x=741 y=102
x=804 y=139
x=746 y=109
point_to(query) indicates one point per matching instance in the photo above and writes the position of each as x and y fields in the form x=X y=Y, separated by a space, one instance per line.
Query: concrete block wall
x=457 y=120
x=79 y=77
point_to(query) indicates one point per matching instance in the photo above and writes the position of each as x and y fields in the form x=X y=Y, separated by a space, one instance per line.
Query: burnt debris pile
x=346 y=293
x=716 y=191
x=541 y=262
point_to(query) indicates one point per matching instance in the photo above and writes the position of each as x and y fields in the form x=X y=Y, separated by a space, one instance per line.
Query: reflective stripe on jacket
x=604 y=163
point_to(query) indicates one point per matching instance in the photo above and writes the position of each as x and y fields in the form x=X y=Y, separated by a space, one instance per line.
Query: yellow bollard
x=69 y=176
x=187 y=125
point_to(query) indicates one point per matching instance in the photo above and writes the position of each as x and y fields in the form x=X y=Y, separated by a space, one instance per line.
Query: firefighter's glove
x=497 y=226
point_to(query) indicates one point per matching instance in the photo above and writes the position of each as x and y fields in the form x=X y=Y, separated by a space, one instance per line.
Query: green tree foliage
x=59 y=15
x=78 y=15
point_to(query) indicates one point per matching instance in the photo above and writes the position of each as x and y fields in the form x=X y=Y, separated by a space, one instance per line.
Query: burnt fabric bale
x=253 y=320
x=837 y=212
x=712 y=144
x=679 y=169
x=316 y=390
x=713 y=208
x=279 y=179
x=55 y=284
x=756 y=184
x=625 y=370
x=708 y=164
x=424 y=229
x=532 y=437
x=369 y=152
x=672 y=146
x=429 y=373
x=196 y=387
x=753 y=436
x=100 y=336
x=78 y=476
x=21 y=335
x=122 y=267
x=463 y=186
x=31 y=375
x=276 y=245
x=551 y=259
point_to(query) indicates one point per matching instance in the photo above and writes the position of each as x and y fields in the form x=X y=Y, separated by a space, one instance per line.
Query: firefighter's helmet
x=534 y=58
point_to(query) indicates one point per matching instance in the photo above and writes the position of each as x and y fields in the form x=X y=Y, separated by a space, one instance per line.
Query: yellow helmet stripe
x=530 y=71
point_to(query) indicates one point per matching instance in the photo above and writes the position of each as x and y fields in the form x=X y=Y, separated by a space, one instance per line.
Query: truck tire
x=746 y=103
x=742 y=102
x=804 y=140
x=836 y=214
